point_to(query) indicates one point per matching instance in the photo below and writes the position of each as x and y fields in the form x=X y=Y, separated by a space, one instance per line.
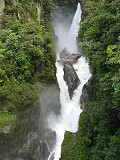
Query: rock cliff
x=2 y=6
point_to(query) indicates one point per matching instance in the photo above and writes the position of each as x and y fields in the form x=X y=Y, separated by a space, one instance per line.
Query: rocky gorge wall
x=2 y=6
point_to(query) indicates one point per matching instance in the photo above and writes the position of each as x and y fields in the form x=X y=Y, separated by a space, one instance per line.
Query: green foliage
x=27 y=53
x=48 y=10
x=69 y=141
x=113 y=151
x=6 y=118
x=27 y=48
x=17 y=96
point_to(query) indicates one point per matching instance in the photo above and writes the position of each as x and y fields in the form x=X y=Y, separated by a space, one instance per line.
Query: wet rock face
x=70 y=78
x=65 y=56
x=87 y=94
x=33 y=149
x=36 y=147
x=38 y=150
x=2 y=6
x=82 y=2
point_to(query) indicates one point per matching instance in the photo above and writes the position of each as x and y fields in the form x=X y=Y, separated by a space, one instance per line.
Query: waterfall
x=73 y=32
x=70 y=109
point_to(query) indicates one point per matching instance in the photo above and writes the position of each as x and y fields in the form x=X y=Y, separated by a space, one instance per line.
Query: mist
x=66 y=30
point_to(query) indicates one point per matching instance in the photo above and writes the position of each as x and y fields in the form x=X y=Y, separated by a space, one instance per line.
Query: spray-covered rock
x=70 y=78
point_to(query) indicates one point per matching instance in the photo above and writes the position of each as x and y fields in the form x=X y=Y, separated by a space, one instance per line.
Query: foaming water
x=70 y=109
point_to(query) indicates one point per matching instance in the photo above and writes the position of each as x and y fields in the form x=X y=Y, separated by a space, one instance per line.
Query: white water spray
x=73 y=32
x=70 y=109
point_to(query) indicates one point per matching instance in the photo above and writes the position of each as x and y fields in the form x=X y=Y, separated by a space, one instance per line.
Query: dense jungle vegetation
x=27 y=54
x=98 y=137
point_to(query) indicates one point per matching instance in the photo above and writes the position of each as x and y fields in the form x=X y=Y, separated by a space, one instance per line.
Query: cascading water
x=70 y=109
x=73 y=32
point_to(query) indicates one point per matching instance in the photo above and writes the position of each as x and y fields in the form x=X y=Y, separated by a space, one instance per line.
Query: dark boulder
x=70 y=78
x=65 y=56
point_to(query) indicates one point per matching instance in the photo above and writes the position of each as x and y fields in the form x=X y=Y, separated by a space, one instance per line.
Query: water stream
x=70 y=109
